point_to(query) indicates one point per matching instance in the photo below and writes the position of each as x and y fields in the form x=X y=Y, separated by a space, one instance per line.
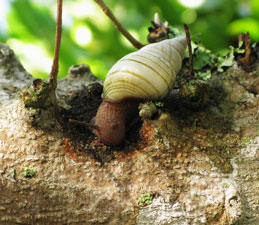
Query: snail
x=147 y=74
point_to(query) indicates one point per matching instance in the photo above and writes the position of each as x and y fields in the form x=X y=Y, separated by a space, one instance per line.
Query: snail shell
x=145 y=74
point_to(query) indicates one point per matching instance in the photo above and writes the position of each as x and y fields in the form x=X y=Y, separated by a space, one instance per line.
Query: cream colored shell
x=148 y=73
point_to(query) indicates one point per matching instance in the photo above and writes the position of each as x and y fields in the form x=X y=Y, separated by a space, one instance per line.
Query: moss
x=36 y=94
x=194 y=94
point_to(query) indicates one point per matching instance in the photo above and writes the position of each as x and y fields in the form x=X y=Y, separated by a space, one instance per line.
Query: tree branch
x=54 y=70
x=188 y=38
x=118 y=25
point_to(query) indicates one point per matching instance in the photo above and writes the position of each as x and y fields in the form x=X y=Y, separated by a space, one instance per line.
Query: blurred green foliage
x=31 y=23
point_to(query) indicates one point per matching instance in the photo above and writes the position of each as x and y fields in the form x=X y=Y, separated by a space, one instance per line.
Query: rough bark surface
x=201 y=166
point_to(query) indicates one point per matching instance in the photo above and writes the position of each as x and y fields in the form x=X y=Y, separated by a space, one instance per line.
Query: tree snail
x=147 y=74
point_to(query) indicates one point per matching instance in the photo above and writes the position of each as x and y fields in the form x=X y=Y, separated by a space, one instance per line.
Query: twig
x=188 y=38
x=54 y=70
x=118 y=25
x=246 y=59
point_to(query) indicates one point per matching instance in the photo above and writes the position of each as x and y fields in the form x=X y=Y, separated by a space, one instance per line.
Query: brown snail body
x=112 y=120
x=147 y=74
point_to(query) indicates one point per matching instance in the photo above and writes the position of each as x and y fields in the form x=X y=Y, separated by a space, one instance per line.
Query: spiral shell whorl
x=146 y=74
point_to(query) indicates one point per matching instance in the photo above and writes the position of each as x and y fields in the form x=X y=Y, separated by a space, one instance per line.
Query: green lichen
x=205 y=61
x=225 y=185
x=205 y=75
x=29 y=173
x=159 y=104
x=202 y=57
x=145 y=199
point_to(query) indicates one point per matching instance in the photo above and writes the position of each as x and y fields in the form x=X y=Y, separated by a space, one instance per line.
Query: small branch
x=188 y=38
x=117 y=24
x=54 y=70
x=246 y=59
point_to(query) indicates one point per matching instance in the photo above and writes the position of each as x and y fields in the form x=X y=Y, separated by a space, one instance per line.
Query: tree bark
x=201 y=167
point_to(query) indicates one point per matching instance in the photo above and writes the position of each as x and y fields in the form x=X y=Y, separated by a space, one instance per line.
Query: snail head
x=109 y=123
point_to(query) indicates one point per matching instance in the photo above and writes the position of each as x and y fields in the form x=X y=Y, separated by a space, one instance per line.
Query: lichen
x=29 y=173
x=145 y=199
x=147 y=110
x=245 y=141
